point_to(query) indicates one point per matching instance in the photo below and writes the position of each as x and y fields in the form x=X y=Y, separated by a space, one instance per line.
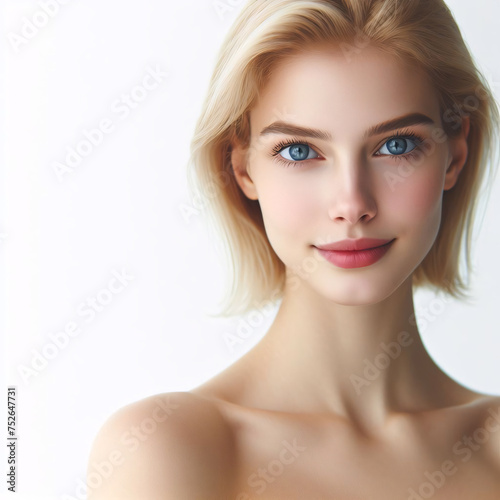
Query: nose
x=352 y=198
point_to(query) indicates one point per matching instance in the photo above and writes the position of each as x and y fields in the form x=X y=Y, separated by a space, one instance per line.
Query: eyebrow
x=281 y=127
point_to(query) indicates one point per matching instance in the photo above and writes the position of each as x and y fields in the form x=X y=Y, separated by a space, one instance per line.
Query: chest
x=302 y=465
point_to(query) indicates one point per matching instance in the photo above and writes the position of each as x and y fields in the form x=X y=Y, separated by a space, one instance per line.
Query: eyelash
x=403 y=134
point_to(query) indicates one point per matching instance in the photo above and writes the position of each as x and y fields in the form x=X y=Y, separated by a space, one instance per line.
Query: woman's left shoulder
x=489 y=412
x=486 y=433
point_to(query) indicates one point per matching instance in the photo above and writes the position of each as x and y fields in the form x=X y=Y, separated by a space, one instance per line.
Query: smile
x=349 y=259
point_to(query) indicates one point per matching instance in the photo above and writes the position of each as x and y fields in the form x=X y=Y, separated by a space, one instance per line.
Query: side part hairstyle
x=421 y=32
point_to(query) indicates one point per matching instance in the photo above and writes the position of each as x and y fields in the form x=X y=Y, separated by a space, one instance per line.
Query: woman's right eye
x=292 y=153
x=298 y=152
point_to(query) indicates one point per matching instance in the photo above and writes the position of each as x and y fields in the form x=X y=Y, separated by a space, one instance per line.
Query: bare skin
x=329 y=456
x=375 y=438
x=298 y=417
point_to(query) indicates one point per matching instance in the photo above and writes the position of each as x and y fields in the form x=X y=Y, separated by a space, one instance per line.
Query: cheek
x=286 y=204
x=288 y=211
x=417 y=201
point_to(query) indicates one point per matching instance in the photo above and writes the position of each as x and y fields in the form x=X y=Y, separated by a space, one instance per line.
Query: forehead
x=328 y=88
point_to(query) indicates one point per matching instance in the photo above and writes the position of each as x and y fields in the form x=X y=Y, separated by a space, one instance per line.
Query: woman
x=342 y=145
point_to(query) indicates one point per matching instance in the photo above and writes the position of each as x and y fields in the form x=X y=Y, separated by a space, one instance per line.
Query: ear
x=240 y=166
x=458 y=153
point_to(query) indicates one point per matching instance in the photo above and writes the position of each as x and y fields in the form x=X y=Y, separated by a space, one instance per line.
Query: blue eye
x=293 y=152
x=298 y=152
x=397 y=145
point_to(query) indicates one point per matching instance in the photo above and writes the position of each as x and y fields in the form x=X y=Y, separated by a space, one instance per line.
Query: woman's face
x=348 y=181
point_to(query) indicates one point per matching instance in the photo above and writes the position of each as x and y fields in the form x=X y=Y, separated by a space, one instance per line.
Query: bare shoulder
x=168 y=446
x=487 y=432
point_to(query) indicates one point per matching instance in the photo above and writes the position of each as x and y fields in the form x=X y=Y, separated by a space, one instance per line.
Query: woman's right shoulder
x=174 y=445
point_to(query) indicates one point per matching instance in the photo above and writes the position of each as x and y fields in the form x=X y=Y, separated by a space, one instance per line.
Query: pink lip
x=359 y=244
x=355 y=253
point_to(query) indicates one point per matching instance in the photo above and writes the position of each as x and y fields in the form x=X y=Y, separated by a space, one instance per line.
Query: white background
x=121 y=209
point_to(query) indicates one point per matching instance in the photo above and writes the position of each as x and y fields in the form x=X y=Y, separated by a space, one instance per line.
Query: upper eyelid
x=293 y=141
x=412 y=137
x=293 y=144
x=296 y=140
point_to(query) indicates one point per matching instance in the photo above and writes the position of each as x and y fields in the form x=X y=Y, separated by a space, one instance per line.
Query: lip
x=355 y=253
x=350 y=244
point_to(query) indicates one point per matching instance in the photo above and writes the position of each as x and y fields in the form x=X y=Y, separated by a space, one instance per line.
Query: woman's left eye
x=398 y=145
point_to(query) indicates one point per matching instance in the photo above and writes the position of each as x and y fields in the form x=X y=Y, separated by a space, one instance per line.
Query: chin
x=359 y=291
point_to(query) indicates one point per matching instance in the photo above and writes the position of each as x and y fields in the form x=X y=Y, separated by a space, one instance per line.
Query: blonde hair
x=265 y=32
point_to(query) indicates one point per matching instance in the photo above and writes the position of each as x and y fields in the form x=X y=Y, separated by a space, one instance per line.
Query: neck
x=363 y=362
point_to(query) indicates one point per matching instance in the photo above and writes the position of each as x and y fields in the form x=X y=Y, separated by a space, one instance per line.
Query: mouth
x=348 y=259
x=355 y=244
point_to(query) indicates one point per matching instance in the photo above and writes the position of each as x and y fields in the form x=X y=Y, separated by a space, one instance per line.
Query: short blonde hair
x=265 y=32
